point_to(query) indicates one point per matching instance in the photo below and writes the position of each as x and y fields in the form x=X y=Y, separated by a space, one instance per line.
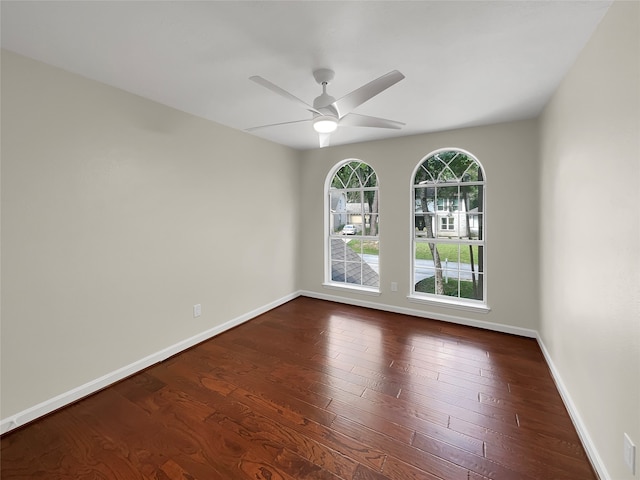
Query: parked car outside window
x=349 y=230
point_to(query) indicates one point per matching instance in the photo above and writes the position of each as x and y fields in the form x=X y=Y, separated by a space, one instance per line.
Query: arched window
x=352 y=226
x=448 y=229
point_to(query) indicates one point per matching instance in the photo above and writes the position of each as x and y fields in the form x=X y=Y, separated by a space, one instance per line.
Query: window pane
x=425 y=280
x=472 y=288
x=459 y=164
x=355 y=261
x=423 y=272
x=370 y=208
x=424 y=203
x=450 y=278
x=461 y=270
x=462 y=226
x=459 y=228
x=447 y=175
x=475 y=226
x=472 y=173
x=369 y=176
x=470 y=198
x=355 y=210
x=337 y=182
x=423 y=176
x=447 y=196
x=478 y=258
x=417 y=203
x=439 y=276
x=371 y=265
x=423 y=251
x=372 y=227
x=337 y=271
x=446 y=226
x=422 y=224
x=337 y=222
x=448 y=252
x=337 y=249
x=354 y=201
x=338 y=211
x=354 y=175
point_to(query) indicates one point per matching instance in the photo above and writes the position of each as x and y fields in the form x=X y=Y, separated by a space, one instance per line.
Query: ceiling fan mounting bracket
x=323 y=76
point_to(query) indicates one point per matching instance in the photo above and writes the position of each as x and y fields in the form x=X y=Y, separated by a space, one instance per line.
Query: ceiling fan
x=329 y=113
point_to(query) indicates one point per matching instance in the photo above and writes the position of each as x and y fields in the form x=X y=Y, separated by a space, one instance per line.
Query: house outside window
x=352 y=245
x=448 y=238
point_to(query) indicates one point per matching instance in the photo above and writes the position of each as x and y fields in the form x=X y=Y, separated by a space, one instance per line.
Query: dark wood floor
x=318 y=390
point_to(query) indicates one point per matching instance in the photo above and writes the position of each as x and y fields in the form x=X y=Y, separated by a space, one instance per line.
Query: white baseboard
x=66 y=398
x=581 y=428
x=496 y=327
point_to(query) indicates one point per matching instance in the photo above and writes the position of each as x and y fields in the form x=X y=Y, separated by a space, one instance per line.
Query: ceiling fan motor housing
x=323 y=103
x=324 y=76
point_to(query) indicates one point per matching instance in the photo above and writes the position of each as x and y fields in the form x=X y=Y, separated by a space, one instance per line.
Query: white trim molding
x=496 y=327
x=583 y=433
x=67 y=398
x=449 y=302
x=345 y=287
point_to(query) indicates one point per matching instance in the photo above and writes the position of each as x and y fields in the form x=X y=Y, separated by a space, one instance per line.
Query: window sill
x=353 y=288
x=450 y=303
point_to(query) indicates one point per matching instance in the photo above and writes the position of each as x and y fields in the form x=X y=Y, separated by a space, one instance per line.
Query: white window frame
x=472 y=305
x=447 y=223
x=329 y=235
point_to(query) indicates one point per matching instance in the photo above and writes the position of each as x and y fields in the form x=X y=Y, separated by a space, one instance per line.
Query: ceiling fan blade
x=360 y=95
x=283 y=93
x=251 y=129
x=356 y=120
x=324 y=139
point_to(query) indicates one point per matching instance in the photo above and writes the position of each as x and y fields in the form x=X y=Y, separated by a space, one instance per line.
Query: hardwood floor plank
x=261 y=426
x=375 y=421
x=318 y=390
x=472 y=462
x=365 y=473
x=399 y=469
x=318 y=432
x=338 y=369
x=527 y=451
x=301 y=468
x=426 y=453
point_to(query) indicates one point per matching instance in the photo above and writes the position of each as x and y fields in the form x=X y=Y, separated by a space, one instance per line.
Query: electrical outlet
x=629 y=454
x=394 y=286
x=197 y=310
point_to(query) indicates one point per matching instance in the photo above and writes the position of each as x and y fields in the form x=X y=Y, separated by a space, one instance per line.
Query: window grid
x=353 y=245
x=448 y=225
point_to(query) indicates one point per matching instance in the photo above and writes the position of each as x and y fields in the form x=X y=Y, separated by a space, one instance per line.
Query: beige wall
x=590 y=234
x=509 y=155
x=118 y=215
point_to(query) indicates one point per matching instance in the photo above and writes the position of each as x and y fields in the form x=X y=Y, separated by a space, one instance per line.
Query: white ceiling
x=466 y=63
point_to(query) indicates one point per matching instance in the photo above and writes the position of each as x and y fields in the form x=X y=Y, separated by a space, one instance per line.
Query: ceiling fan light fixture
x=325 y=124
